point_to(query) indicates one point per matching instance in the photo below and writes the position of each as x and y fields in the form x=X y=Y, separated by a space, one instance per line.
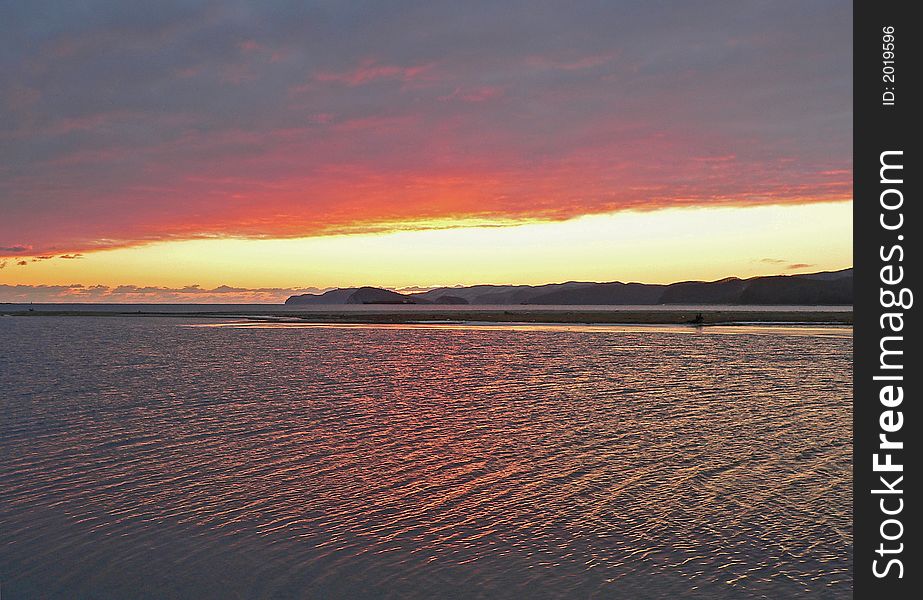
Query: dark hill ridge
x=827 y=288
x=362 y=295
x=371 y=295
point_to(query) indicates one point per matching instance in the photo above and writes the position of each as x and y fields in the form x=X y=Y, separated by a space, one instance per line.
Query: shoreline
x=714 y=316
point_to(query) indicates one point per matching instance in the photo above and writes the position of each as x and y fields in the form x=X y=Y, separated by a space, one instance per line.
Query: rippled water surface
x=142 y=457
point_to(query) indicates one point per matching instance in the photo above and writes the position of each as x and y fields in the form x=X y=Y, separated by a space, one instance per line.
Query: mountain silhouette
x=826 y=288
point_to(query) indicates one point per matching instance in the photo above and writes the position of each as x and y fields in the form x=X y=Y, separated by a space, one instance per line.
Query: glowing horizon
x=649 y=247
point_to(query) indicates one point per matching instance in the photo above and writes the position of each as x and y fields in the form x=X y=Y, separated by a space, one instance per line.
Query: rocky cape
x=826 y=288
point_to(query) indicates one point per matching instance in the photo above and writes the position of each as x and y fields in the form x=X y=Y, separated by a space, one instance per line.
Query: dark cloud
x=48 y=257
x=126 y=122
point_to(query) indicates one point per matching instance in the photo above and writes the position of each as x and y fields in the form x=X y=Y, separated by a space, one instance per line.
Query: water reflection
x=811 y=330
x=147 y=459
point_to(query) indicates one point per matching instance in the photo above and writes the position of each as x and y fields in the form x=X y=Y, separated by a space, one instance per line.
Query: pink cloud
x=476 y=94
x=371 y=70
x=573 y=64
x=249 y=46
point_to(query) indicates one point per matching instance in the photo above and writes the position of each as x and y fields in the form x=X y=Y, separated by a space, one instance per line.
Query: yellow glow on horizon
x=651 y=247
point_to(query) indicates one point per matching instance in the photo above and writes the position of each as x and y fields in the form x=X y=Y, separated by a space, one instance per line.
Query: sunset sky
x=231 y=151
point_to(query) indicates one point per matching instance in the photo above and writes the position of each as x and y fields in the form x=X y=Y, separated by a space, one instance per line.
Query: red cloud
x=382 y=173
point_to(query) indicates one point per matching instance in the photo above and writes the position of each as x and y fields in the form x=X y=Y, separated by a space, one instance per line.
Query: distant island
x=826 y=288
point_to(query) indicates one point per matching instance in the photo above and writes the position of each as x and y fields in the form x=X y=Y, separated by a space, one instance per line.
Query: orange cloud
x=192 y=294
